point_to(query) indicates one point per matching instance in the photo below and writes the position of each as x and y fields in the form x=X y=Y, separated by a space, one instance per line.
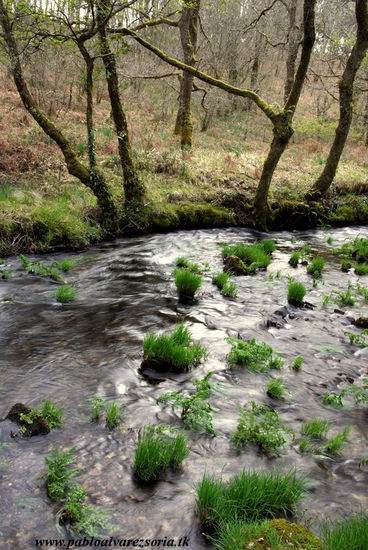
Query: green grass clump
x=275 y=534
x=346 y=534
x=250 y=496
x=316 y=428
x=315 y=268
x=261 y=425
x=65 y=265
x=344 y=298
x=65 y=294
x=297 y=363
x=296 y=293
x=184 y=263
x=361 y=269
x=196 y=412
x=187 y=283
x=5 y=274
x=256 y=357
x=268 y=246
x=174 y=352
x=362 y=291
x=52 y=414
x=332 y=400
x=334 y=445
x=276 y=389
x=359 y=392
x=59 y=476
x=97 y=404
x=114 y=414
x=345 y=265
x=294 y=259
x=221 y=280
x=253 y=256
x=159 y=447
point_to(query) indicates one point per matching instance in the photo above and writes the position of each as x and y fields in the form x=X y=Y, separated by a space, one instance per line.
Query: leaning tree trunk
x=188 y=26
x=133 y=188
x=74 y=166
x=282 y=122
x=346 y=90
x=366 y=122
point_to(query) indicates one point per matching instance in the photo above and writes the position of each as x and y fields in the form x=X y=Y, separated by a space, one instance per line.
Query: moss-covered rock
x=295 y=535
x=294 y=214
x=361 y=322
x=235 y=266
x=35 y=423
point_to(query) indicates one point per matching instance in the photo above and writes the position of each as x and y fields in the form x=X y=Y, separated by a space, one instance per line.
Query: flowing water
x=93 y=346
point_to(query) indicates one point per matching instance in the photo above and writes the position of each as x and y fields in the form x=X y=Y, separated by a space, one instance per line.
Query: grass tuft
x=276 y=389
x=316 y=267
x=316 y=428
x=187 y=283
x=65 y=294
x=159 y=447
x=174 y=352
x=346 y=534
x=296 y=293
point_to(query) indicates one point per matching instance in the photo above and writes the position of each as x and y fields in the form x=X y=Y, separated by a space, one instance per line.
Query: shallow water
x=68 y=353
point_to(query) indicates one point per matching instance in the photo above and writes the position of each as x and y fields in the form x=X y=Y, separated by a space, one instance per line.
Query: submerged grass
x=174 y=352
x=227 y=288
x=316 y=428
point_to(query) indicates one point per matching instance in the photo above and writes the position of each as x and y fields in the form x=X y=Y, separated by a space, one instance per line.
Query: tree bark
x=133 y=188
x=74 y=166
x=188 y=27
x=293 y=47
x=346 y=90
x=282 y=129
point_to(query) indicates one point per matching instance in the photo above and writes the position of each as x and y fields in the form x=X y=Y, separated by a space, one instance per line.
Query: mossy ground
x=43 y=208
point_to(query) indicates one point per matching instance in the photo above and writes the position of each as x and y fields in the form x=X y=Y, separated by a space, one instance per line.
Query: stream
x=93 y=346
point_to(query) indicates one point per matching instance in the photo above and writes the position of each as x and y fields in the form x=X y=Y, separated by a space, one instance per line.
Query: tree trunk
x=366 y=122
x=346 y=90
x=281 y=138
x=282 y=122
x=293 y=48
x=133 y=188
x=75 y=167
x=254 y=74
x=188 y=26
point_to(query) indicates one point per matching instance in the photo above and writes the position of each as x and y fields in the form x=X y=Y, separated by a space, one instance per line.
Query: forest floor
x=42 y=207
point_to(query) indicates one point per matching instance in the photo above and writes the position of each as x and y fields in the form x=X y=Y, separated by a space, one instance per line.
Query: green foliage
x=344 y=298
x=297 y=363
x=346 y=534
x=296 y=293
x=59 y=476
x=294 y=259
x=64 y=265
x=361 y=269
x=65 y=294
x=97 y=404
x=5 y=274
x=316 y=428
x=260 y=425
x=332 y=400
x=335 y=444
x=114 y=414
x=360 y=393
x=358 y=339
x=38 y=268
x=182 y=262
x=345 y=265
x=186 y=282
x=221 y=280
x=253 y=256
x=175 y=352
x=250 y=496
x=256 y=357
x=52 y=414
x=315 y=267
x=329 y=240
x=276 y=534
x=159 y=447
x=276 y=389
x=268 y=246
x=362 y=291
x=196 y=411
x=85 y=519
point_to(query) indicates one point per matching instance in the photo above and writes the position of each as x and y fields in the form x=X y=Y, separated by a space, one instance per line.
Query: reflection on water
x=68 y=353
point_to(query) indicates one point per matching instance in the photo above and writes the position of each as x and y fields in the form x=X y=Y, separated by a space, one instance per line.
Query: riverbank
x=43 y=209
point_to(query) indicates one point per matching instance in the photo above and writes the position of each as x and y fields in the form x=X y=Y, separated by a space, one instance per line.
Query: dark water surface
x=68 y=353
